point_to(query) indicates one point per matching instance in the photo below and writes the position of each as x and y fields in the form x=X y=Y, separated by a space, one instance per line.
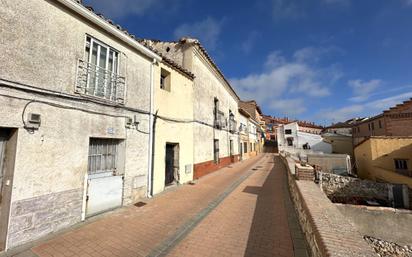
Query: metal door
x=104 y=184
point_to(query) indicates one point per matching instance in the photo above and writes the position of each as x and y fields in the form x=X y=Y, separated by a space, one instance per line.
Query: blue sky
x=319 y=60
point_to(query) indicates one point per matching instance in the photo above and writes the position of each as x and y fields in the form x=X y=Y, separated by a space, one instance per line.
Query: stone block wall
x=36 y=217
x=327 y=231
x=341 y=189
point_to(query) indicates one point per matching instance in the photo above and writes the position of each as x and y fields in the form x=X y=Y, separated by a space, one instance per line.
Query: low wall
x=366 y=218
x=342 y=189
x=330 y=162
x=327 y=231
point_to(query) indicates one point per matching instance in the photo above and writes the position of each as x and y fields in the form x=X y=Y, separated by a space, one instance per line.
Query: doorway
x=105 y=176
x=172 y=164
x=8 y=143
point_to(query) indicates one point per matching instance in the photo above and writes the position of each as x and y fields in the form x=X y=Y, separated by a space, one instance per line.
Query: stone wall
x=39 y=216
x=342 y=189
x=327 y=231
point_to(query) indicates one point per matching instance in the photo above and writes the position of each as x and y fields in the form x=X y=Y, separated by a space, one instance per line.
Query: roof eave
x=95 y=19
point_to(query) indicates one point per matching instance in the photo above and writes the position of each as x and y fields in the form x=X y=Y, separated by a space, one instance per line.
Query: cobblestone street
x=240 y=210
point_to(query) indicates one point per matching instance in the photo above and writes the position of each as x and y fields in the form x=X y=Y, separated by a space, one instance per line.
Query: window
x=380 y=124
x=373 y=125
x=251 y=147
x=290 y=141
x=165 y=80
x=216 y=150
x=401 y=164
x=98 y=75
x=288 y=131
x=245 y=147
x=103 y=156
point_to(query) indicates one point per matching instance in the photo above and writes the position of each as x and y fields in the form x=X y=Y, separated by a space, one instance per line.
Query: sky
x=318 y=60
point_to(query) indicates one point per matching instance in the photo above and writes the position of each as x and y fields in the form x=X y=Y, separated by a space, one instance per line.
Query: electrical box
x=33 y=121
x=129 y=122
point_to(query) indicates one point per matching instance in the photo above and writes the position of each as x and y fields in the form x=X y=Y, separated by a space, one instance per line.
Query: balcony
x=232 y=126
x=95 y=81
x=220 y=121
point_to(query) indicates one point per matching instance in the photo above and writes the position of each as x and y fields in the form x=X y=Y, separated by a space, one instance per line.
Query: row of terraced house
x=94 y=118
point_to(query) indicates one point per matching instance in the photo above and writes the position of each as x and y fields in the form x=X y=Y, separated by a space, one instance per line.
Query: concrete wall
x=389 y=224
x=375 y=159
x=51 y=163
x=175 y=104
x=330 y=162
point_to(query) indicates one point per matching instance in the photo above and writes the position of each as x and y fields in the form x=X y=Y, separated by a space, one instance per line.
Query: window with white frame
x=98 y=73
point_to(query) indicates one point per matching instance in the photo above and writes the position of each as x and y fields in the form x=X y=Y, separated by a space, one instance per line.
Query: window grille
x=103 y=155
x=97 y=75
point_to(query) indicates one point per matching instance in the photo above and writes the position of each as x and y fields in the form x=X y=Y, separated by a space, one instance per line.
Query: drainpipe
x=150 y=166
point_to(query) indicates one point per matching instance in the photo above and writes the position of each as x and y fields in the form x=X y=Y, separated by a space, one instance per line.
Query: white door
x=104 y=184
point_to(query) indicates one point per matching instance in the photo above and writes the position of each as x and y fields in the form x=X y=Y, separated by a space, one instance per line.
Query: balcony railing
x=232 y=126
x=95 y=81
x=220 y=121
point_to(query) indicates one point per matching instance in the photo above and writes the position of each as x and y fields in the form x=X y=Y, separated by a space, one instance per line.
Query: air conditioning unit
x=33 y=121
x=129 y=122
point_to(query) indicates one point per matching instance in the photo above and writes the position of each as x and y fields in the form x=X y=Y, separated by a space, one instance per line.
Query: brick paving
x=256 y=219
x=237 y=211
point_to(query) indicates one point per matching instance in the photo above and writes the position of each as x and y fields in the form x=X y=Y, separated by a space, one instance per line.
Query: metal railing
x=232 y=126
x=220 y=121
x=95 y=81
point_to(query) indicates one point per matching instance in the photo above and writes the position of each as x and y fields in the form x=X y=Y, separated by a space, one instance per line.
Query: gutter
x=101 y=23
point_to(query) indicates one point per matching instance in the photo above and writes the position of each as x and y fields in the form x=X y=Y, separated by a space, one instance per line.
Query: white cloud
x=286 y=9
x=207 y=31
x=122 y=8
x=407 y=2
x=289 y=107
x=285 y=85
x=360 y=110
x=250 y=42
x=315 y=54
x=362 y=90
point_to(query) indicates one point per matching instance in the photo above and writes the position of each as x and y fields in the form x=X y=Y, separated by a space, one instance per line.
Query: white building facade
x=75 y=126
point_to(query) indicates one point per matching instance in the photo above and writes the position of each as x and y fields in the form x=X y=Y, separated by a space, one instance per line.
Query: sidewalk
x=256 y=219
x=137 y=231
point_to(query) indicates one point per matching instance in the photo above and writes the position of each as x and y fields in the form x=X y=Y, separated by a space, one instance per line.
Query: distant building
x=339 y=135
x=292 y=139
x=385 y=159
x=396 y=121
x=309 y=127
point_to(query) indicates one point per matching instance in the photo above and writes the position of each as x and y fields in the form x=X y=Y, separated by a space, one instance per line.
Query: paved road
x=241 y=210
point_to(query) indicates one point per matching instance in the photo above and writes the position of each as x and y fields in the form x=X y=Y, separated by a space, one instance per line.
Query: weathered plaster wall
x=51 y=162
x=45 y=54
x=208 y=86
x=375 y=159
x=176 y=104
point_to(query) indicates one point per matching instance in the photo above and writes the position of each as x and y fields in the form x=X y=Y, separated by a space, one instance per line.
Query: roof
x=382 y=137
x=78 y=7
x=244 y=112
x=107 y=25
x=170 y=62
x=195 y=42
x=398 y=106
x=347 y=124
